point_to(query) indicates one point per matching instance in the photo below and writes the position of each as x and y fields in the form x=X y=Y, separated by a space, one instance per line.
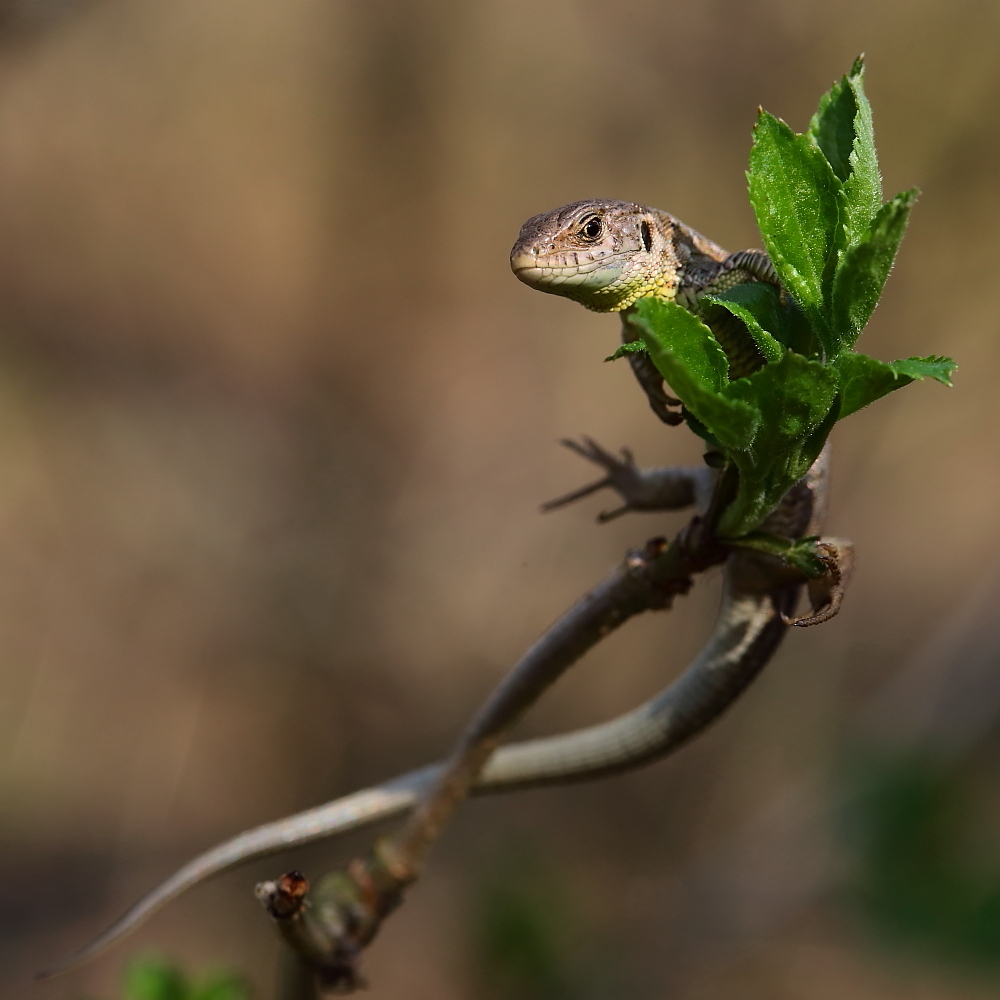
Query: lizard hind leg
x=826 y=593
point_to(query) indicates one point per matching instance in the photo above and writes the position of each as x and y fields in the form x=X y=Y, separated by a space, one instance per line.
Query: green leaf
x=794 y=397
x=842 y=128
x=772 y=317
x=864 y=187
x=795 y=195
x=152 y=979
x=813 y=444
x=864 y=379
x=936 y=366
x=833 y=129
x=756 y=304
x=766 y=423
x=668 y=326
x=864 y=269
x=800 y=554
x=695 y=366
x=632 y=347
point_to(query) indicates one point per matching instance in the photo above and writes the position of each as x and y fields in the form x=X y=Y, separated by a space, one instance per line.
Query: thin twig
x=357 y=901
x=716 y=678
x=748 y=630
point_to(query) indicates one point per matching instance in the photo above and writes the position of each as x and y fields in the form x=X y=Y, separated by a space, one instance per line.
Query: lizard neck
x=691 y=256
x=679 y=260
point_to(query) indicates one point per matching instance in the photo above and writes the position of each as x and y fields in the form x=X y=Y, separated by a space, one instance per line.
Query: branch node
x=285 y=897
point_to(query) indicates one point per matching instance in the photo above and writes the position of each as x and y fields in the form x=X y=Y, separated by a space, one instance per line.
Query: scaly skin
x=607 y=255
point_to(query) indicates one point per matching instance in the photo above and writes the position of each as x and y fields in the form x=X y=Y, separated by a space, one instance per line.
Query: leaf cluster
x=154 y=979
x=817 y=197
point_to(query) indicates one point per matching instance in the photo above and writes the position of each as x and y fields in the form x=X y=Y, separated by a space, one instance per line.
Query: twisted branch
x=330 y=928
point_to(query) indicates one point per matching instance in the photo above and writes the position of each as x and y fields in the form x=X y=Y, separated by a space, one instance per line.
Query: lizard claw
x=826 y=592
x=641 y=489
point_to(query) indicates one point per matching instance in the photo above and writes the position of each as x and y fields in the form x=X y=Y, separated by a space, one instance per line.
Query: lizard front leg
x=651 y=381
x=653 y=489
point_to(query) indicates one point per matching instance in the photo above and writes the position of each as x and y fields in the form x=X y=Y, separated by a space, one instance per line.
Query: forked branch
x=343 y=913
x=348 y=907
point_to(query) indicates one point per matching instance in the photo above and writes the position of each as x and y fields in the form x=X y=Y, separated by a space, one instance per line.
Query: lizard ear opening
x=647 y=236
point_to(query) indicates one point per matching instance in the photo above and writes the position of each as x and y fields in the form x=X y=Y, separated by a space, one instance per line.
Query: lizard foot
x=826 y=592
x=641 y=489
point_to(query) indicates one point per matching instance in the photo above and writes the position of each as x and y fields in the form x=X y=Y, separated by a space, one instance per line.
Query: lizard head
x=603 y=254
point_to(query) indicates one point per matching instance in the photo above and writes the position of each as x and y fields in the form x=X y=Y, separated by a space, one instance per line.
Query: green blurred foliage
x=528 y=935
x=520 y=943
x=155 y=979
x=915 y=881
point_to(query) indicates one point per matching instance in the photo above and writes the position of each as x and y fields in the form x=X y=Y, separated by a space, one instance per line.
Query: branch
x=347 y=912
x=351 y=905
x=748 y=630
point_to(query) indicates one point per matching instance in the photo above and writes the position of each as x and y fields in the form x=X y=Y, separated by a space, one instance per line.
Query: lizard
x=605 y=255
x=608 y=254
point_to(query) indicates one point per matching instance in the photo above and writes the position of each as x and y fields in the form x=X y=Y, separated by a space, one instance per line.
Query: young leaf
x=673 y=328
x=756 y=305
x=864 y=379
x=862 y=273
x=814 y=443
x=695 y=366
x=842 y=128
x=632 y=347
x=794 y=397
x=801 y=554
x=795 y=195
x=864 y=187
x=936 y=366
x=833 y=128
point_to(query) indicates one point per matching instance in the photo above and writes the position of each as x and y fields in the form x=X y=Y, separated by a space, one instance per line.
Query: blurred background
x=275 y=421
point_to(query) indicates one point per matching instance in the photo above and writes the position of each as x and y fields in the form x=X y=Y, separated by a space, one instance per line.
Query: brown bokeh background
x=275 y=420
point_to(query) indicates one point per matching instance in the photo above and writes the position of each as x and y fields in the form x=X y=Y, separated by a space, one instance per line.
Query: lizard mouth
x=589 y=274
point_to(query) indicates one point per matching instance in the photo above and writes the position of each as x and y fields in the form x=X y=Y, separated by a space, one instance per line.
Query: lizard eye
x=592 y=228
